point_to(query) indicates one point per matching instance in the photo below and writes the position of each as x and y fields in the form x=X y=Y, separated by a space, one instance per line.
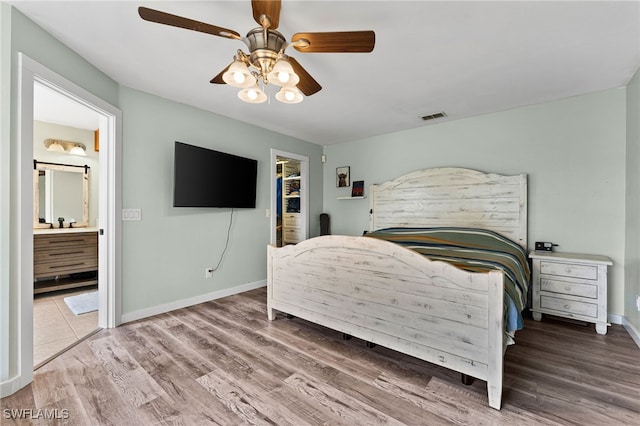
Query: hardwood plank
x=348 y=409
x=249 y=400
x=96 y=392
x=131 y=379
x=223 y=363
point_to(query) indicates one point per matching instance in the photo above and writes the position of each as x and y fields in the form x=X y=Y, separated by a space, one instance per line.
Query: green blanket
x=474 y=250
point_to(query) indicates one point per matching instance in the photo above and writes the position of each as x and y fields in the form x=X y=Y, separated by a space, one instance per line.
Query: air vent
x=434 y=116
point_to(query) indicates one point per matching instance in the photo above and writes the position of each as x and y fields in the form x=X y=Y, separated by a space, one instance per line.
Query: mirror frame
x=40 y=165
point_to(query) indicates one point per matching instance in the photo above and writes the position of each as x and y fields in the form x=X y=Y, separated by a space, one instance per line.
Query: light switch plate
x=131 y=214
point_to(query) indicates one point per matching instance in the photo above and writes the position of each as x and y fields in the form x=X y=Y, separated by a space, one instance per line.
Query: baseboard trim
x=635 y=335
x=615 y=319
x=13 y=385
x=179 y=304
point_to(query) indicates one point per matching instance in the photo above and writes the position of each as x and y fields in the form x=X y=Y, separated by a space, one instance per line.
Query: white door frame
x=304 y=193
x=109 y=240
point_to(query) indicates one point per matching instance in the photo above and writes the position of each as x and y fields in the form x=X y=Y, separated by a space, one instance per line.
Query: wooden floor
x=223 y=363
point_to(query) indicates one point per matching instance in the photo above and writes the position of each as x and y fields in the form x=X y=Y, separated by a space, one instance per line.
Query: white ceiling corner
x=465 y=58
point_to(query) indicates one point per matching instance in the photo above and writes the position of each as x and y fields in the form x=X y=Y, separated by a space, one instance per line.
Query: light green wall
x=572 y=150
x=39 y=45
x=632 y=260
x=165 y=254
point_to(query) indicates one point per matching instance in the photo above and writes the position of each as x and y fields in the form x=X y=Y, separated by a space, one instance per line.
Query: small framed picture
x=342 y=177
x=357 y=190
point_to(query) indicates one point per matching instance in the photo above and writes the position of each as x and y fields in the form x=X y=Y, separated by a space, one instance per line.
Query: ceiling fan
x=266 y=59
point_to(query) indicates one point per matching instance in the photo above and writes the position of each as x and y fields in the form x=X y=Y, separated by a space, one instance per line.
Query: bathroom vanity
x=65 y=249
x=64 y=258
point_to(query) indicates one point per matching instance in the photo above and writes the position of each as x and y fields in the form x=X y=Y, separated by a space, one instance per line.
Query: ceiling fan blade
x=270 y=8
x=338 y=41
x=159 y=17
x=218 y=78
x=307 y=84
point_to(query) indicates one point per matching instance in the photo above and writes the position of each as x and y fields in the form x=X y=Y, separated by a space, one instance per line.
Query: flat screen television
x=207 y=178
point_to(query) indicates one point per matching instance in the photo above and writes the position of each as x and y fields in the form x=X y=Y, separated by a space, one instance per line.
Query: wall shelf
x=352 y=198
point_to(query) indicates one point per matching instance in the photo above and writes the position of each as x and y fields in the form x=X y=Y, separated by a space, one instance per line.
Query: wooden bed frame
x=389 y=295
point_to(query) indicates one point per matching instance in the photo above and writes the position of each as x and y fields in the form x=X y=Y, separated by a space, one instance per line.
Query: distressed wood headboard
x=452 y=196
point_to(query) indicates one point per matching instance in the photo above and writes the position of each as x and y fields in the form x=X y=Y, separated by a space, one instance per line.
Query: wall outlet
x=208 y=272
x=638 y=303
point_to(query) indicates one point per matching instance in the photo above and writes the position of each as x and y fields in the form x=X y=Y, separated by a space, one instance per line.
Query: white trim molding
x=179 y=304
x=615 y=319
x=635 y=334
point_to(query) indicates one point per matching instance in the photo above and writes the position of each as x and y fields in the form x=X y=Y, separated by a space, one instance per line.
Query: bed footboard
x=389 y=295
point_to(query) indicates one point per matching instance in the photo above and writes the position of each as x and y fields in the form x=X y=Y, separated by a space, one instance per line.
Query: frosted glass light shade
x=282 y=74
x=238 y=75
x=55 y=147
x=289 y=95
x=77 y=150
x=253 y=95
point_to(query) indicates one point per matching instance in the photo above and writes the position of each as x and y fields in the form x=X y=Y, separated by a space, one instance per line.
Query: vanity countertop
x=39 y=231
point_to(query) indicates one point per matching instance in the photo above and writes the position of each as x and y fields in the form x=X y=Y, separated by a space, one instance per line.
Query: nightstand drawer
x=573 y=270
x=569 y=306
x=565 y=287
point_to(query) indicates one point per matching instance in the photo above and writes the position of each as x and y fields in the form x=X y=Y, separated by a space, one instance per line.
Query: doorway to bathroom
x=108 y=178
x=66 y=148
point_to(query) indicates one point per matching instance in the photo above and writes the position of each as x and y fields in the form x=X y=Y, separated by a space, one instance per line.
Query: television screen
x=207 y=178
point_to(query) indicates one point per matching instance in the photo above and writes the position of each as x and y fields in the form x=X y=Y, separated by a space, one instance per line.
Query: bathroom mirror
x=60 y=190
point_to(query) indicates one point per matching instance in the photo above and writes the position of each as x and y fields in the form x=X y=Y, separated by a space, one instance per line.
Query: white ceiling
x=463 y=58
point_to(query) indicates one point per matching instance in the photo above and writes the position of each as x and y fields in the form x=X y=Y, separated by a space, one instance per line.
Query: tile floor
x=55 y=327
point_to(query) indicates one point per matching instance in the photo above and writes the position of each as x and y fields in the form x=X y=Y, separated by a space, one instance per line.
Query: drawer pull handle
x=65 y=253
x=66 y=266
x=568 y=270
x=567 y=306
x=567 y=287
x=65 y=241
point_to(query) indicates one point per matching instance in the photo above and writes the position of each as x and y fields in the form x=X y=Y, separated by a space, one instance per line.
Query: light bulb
x=283 y=76
x=289 y=95
x=238 y=77
x=252 y=94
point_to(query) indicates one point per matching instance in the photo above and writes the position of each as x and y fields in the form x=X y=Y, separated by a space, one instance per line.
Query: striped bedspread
x=475 y=250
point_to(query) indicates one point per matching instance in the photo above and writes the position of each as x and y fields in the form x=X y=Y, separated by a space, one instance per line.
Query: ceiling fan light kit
x=266 y=60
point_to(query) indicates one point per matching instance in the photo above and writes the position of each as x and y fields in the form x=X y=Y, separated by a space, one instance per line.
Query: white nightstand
x=570 y=285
